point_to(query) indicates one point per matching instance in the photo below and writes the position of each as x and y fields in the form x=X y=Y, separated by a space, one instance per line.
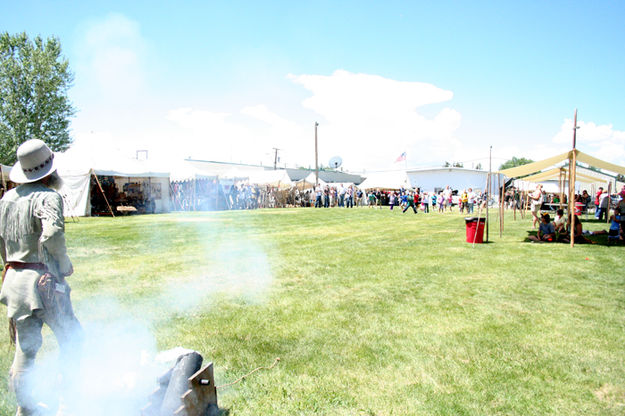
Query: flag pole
x=316 y=158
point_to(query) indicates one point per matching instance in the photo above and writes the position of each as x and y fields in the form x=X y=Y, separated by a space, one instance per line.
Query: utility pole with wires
x=275 y=158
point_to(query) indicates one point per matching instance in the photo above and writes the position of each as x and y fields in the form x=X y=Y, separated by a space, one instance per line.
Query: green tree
x=478 y=166
x=514 y=162
x=34 y=80
x=458 y=165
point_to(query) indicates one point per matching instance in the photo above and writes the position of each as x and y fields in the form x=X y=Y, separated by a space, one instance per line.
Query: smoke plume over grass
x=117 y=368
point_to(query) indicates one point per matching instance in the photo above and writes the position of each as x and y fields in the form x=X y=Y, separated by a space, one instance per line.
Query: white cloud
x=197 y=120
x=235 y=137
x=367 y=119
x=601 y=141
x=370 y=120
x=262 y=113
x=345 y=96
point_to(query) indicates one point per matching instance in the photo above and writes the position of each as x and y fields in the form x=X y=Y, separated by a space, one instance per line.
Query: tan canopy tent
x=579 y=156
x=585 y=176
x=535 y=172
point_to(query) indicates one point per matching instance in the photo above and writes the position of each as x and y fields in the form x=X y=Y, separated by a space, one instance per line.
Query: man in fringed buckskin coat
x=32 y=246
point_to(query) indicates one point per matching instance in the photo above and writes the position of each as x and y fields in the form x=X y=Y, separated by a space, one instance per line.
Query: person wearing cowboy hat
x=32 y=247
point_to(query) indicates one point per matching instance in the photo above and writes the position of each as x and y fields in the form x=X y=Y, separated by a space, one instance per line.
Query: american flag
x=401 y=157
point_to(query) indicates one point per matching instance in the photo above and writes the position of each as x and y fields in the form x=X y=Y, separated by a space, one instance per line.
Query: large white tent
x=309 y=182
x=277 y=178
x=77 y=171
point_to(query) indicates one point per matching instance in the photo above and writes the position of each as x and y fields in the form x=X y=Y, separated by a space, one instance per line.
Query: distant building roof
x=329 y=176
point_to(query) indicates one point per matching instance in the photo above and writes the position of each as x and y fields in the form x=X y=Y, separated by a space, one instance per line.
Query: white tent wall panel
x=76 y=195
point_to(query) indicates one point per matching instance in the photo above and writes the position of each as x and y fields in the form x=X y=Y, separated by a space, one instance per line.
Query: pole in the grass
x=103 y=194
x=316 y=158
x=489 y=176
x=561 y=183
x=573 y=161
x=499 y=184
x=607 y=214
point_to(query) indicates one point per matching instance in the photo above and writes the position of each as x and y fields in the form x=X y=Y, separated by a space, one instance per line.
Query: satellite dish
x=335 y=162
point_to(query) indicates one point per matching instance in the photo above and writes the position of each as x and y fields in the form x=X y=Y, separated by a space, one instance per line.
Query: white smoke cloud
x=111 y=58
x=118 y=366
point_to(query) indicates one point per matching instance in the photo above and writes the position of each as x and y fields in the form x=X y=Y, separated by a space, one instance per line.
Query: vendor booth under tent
x=112 y=187
x=537 y=171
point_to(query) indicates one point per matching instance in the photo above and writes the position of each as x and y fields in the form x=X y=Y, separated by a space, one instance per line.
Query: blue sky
x=440 y=80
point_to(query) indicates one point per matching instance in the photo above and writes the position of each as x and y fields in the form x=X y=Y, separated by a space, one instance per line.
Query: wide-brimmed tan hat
x=35 y=161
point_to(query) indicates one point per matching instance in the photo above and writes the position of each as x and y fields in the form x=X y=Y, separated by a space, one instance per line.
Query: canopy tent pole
x=514 y=200
x=487 y=197
x=607 y=213
x=561 y=182
x=103 y=194
x=523 y=201
x=488 y=190
x=4 y=183
x=573 y=162
x=500 y=205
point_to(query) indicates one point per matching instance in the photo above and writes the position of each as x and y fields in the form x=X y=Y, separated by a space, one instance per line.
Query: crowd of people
x=560 y=228
x=210 y=194
x=416 y=199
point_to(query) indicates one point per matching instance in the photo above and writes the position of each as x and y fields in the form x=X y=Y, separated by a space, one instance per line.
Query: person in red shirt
x=597 y=198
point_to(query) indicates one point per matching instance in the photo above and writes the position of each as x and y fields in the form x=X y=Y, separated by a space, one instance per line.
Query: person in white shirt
x=537 y=201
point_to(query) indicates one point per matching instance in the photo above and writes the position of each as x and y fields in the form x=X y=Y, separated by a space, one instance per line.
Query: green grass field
x=371 y=312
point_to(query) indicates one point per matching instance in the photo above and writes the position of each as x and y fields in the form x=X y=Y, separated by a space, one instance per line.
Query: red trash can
x=475 y=229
